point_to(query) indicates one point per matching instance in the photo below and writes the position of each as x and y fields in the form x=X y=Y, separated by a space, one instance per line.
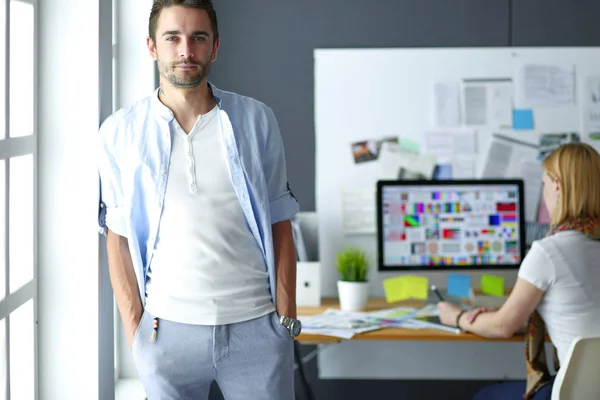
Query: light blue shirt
x=134 y=146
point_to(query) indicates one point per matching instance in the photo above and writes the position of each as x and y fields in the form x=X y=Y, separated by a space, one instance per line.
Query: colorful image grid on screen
x=450 y=225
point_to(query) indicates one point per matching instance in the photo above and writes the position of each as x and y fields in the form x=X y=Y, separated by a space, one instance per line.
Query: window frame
x=9 y=149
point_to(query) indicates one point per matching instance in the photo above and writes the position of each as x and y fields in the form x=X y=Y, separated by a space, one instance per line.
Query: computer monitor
x=450 y=225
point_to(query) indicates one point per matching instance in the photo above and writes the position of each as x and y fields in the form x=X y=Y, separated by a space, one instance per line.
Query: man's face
x=184 y=47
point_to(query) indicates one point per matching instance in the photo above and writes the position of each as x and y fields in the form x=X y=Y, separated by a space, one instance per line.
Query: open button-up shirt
x=134 y=156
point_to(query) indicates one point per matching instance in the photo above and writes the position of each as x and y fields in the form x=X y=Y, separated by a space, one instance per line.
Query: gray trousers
x=251 y=360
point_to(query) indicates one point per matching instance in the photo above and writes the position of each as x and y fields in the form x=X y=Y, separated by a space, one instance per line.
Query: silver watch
x=293 y=325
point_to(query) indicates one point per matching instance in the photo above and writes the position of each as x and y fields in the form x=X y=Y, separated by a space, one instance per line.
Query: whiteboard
x=365 y=94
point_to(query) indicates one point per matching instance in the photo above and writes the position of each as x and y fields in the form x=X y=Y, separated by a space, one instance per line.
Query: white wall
x=74 y=85
x=135 y=79
x=135 y=69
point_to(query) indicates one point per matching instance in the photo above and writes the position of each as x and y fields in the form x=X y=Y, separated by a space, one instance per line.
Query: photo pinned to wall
x=551 y=141
x=368 y=150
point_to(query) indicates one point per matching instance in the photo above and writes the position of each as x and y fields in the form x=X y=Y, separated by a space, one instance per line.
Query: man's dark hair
x=158 y=5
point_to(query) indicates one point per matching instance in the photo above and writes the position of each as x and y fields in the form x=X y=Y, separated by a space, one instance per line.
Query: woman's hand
x=448 y=312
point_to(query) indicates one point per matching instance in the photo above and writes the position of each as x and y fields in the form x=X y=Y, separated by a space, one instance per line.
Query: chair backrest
x=579 y=377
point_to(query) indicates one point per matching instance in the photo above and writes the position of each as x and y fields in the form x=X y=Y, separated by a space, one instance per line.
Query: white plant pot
x=354 y=296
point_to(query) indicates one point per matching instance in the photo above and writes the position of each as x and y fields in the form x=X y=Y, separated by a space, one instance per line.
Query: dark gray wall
x=267 y=53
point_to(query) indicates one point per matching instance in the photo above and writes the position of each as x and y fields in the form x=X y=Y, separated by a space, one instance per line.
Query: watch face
x=296 y=328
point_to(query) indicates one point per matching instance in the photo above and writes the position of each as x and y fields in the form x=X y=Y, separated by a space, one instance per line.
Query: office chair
x=578 y=379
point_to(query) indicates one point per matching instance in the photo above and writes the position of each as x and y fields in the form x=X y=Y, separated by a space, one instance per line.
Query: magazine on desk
x=337 y=323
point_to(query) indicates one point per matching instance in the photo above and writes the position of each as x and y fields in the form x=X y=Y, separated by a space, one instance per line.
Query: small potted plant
x=353 y=287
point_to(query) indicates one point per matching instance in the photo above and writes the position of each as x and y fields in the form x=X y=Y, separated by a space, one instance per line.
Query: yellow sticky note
x=492 y=285
x=405 y=287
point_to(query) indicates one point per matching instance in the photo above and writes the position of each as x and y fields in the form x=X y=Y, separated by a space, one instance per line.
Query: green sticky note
x=492 y=285
x=409 y=145
x=405 y=287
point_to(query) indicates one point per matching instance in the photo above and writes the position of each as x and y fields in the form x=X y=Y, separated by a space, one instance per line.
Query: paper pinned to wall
x=544 y=85
x=591 y=111
x=501 y=93
x=397 y=163
x=358 y=210
x=409 y=145
x=510 y=158
x=461 y=167
x=476 y=104
x=488 y=102
x=446 y=104
x=464 y=168
x=455 y=152
x=450 y=142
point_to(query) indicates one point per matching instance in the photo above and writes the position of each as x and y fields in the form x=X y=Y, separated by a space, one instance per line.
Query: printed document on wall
x=488 y=102
x=358 y=210
x=544 y=85
x=446 y=104
x=454 y=149
x=591 y=112
x=449 y=142
x=509 y=158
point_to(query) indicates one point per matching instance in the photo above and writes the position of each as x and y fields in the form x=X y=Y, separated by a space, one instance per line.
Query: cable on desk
x=300 y=365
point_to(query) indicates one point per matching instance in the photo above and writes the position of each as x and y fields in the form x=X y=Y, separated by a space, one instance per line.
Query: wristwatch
x=294 y=326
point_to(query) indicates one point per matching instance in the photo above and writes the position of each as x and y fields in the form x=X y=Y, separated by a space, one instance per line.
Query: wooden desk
x=390 y=333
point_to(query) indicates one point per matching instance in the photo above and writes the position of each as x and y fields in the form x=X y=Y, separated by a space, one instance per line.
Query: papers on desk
x=345 y=325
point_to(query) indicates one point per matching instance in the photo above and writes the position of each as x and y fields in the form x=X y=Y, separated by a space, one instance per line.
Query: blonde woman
x=558 y=287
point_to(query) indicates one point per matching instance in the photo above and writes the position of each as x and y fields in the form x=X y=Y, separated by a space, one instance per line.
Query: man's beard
x=167 y=71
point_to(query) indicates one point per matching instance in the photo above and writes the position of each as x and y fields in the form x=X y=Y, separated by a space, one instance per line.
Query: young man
x=197 y=208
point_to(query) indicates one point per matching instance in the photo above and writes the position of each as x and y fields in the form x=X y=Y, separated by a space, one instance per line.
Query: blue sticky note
x=459 y=285
x=442 y=172
x=523 y=119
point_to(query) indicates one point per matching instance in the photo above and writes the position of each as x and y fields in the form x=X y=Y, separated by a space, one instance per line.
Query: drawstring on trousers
x=154 y=330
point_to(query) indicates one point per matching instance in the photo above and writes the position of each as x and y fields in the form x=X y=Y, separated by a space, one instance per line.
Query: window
x=18 y=139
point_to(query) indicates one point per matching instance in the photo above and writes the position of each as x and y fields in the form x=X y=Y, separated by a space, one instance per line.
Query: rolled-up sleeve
x=537 y=268
x=283 y=204
x=112 y=213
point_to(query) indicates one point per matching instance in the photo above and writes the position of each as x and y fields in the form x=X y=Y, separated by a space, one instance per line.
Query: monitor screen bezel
x=455 y=182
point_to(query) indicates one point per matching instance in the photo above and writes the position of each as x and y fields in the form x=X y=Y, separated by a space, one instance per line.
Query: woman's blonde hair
x=576 y=166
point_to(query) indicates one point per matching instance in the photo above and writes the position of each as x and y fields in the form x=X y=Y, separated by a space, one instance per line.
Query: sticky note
x=523 y=119
x=459 y=285
x=492 y=285
x=409 y=145
x=406 y=287
x=442 y=172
